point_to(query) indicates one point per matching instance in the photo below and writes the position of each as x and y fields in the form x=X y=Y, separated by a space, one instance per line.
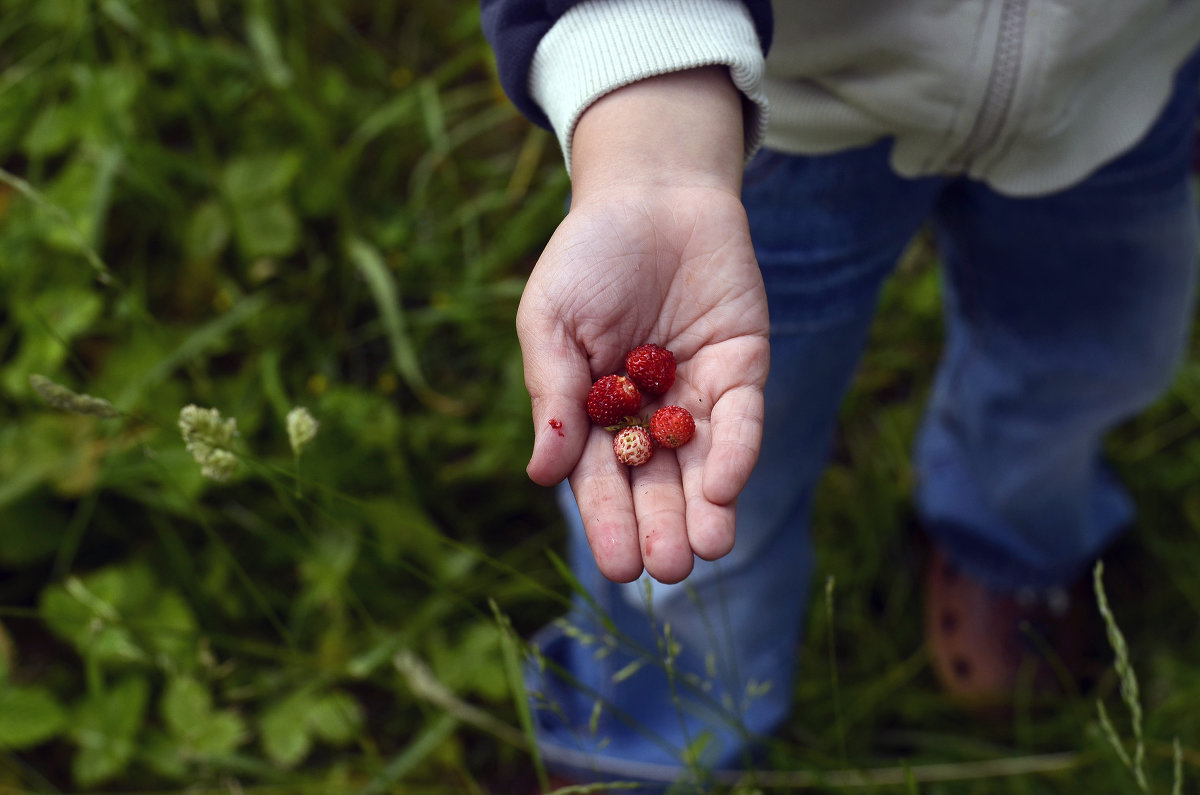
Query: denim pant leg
x=827 y=231
x=1066 y=314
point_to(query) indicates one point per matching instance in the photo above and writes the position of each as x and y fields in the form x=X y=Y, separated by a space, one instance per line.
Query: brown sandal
x=986 y=646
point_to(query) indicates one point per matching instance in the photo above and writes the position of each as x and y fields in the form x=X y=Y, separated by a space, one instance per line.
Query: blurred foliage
x=328 y=204
x=256 y=206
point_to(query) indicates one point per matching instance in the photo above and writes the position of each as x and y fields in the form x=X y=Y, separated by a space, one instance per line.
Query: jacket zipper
x=1001 y=87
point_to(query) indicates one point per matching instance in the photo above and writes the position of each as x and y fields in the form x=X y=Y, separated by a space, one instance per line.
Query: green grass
x=330 y=204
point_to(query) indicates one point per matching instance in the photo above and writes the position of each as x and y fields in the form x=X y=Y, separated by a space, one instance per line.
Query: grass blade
x=386 y=294
x=516 y=683
x=1129 y=685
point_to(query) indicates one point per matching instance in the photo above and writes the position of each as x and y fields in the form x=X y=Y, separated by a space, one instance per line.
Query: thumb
x=558 y=378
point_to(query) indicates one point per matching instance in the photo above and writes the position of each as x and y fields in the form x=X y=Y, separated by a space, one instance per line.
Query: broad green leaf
x=285 y=731
x=54 y=129
x=336 y=718
x=50 y=322
x=163 y=755
x=219 y=735
x=326 y=567
x=113 y=644
x=169 y=626
x=252 y=178
x=208 y=232
x=109 y=95
x=66 y=616
x=28 y=716
x=199 y=731
x=185 y=703
x=64 y=312
x=55 y=448
x=82 y=192
x=105 y=727
x=91 y=612
x=268 y=229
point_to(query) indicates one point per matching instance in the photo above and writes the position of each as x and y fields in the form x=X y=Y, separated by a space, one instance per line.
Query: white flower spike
x=209 y=439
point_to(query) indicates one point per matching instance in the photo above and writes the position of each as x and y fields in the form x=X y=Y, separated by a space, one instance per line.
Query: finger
x=601 y=487
x=711 y=527
x=560 y=432
x=558 y=379
x=736 y=428
x=659 y=506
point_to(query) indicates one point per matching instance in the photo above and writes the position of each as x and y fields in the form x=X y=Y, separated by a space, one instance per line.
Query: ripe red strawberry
x=652 y=368
x=611 y=399
x=632 y=446
x=672 y=426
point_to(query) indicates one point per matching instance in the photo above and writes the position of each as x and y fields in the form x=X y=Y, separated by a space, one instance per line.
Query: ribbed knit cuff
x=600 y=45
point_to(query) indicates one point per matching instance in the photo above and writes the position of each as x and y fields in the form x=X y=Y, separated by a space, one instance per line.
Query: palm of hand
x=676 y=269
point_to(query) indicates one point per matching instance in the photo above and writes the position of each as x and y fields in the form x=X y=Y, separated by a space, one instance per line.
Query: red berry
x=672 y=426
x=652 y=368
x=632 y=446
x=611 y=399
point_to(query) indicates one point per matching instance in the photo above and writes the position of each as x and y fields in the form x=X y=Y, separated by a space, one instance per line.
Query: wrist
x=682 y=129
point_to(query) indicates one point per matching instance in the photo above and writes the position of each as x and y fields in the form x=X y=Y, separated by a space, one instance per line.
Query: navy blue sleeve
x=515 y=27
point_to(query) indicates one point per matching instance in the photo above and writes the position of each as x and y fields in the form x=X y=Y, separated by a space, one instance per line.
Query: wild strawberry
x=672 y=426
x=632 y=446
x=611 y=399
x=652 y=368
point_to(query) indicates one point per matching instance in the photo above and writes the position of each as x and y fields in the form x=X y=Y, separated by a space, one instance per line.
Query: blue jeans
x=1066 y=313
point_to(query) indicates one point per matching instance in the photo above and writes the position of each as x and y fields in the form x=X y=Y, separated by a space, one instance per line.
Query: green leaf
x=44 y=447
x=336 y=718
x=185 y=703
x=82 y=192
x=207 y=233
x=187 y=710
x=28 y=716
x=105 y=727
x=219 y=735
x=50 y=322
x=113 y=644
x=170 y=626
x=252 y=178
x=90 y=612
x=108 y=96
x=325 y=569
x=285 y=731
x=54 y=129
x=163 y=755
x=270 y=229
